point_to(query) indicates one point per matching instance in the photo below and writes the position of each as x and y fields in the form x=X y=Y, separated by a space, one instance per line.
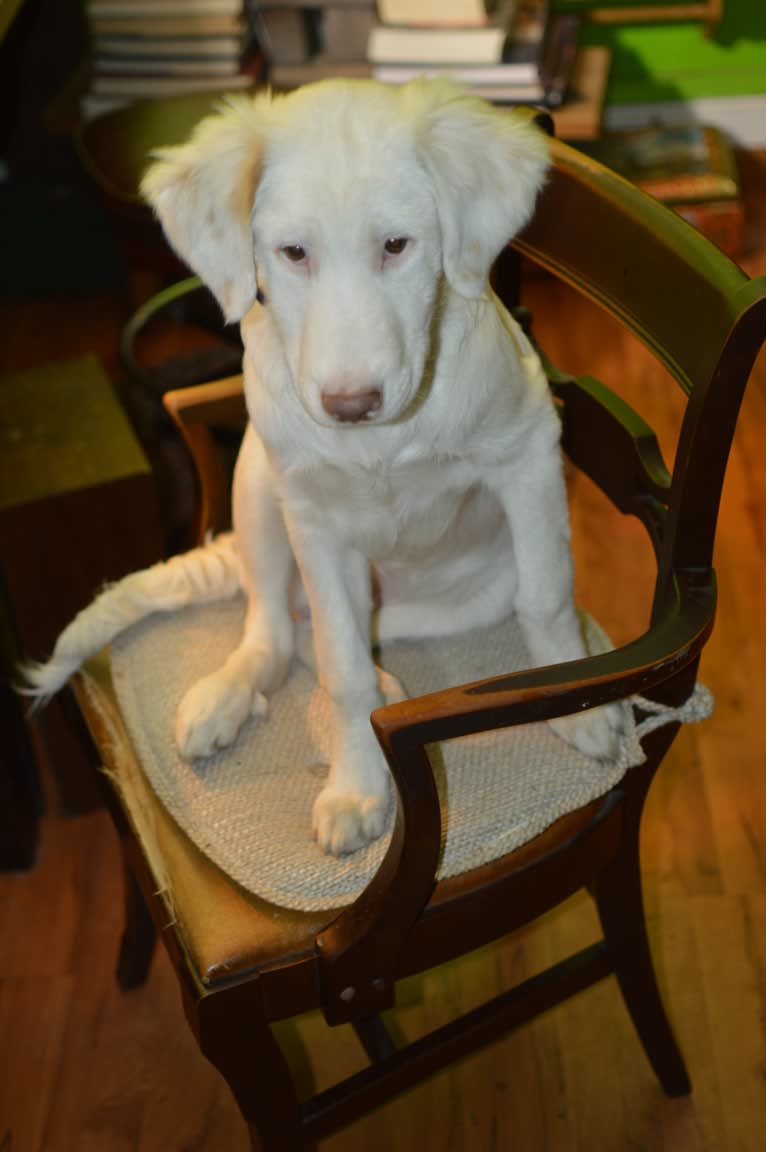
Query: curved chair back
x=694 y=309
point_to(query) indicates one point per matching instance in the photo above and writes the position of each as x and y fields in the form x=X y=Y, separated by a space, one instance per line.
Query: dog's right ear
x=203 y=193
x=486 y=164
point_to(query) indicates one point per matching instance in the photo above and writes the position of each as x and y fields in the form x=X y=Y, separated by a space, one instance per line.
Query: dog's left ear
x=203 y=193
x=487 y=166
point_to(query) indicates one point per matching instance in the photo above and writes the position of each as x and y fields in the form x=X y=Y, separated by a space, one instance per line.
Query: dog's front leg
x=533 y=494
x=350 y=810
x=215 y=707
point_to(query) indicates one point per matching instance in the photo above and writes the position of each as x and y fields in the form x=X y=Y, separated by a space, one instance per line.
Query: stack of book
x=509 y=51
x=690 y=167
x=153 y=48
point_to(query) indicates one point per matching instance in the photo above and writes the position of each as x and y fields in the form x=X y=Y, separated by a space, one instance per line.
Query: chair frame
x=404 y=922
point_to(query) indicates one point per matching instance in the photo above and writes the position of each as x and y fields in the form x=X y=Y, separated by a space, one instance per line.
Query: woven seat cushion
x=249 y=807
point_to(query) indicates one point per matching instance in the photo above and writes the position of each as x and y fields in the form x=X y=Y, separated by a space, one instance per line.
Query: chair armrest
x=672 y=643
x=218 y=401
x=195 y=411
x=367 y=937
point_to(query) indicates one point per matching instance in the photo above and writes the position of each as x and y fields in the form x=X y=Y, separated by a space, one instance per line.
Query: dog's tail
x=211 y=572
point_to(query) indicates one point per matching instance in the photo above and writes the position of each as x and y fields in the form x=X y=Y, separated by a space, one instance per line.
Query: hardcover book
x=676 y=163
x=514 y=37
x=464 y=12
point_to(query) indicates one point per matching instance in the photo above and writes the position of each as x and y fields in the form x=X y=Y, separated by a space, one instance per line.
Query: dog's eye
x=395 y=245
x=294 y=253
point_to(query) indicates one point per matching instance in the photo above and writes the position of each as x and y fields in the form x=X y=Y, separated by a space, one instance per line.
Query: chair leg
x=238 y=1041
x=257 y=1146
x=620 y=906
x=138 y=938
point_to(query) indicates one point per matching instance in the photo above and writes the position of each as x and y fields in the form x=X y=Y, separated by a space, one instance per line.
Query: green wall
x=665 y=62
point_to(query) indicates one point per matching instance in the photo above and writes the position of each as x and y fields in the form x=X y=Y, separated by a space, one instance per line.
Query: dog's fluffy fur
x=399 y=418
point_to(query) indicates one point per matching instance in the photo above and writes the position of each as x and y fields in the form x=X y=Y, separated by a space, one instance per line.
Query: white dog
x=400 y=422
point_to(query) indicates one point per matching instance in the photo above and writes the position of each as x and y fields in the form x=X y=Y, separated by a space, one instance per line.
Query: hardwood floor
x=85 y=1068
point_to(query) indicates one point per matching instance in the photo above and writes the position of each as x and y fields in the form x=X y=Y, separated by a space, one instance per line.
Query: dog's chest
x=401 y=512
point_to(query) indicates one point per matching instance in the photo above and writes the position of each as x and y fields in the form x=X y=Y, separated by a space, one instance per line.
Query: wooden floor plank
x=731 y=933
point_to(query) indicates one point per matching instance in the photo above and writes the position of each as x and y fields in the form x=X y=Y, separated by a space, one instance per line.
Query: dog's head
x=346 y=203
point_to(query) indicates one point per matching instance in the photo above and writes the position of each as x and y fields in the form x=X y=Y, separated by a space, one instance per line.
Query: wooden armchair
x=244 y=964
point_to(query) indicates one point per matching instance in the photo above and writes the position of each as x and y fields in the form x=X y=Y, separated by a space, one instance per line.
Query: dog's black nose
x=351 y=407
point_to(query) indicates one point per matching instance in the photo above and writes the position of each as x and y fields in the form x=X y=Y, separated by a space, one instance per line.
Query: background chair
x=113 y=149
x=244 y=965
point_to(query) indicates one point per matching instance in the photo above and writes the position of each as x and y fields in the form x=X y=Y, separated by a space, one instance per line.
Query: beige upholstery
x=249 y=806
x=230 y=840
x=221 y=927
x=224 y=928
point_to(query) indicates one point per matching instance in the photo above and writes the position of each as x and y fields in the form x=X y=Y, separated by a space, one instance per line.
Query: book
x=157 y=48
x=166 y=66
x=464 y=12
x=677 y=163
x=439 y=44
x=191 y=24
x=472 y=75
x=151 y=8
x=389 y=44
x=536 y=69
x=170 y=47
x=690 y=167
x=126 y=86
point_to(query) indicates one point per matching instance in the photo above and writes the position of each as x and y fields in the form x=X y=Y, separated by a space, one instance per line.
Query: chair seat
x=229 y=839
x=249 y=806
x=223 y=930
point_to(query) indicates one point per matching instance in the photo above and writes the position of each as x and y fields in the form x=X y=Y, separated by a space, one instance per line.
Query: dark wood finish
x=72 y=475
x=195 y=412
x=20 y=791
x=139 y=936
x=709 y=12
x=348 y=1101
x=577 y=1081
x=70 y=460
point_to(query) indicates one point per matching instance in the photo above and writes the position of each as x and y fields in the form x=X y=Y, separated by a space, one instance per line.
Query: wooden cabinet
x=77 y=508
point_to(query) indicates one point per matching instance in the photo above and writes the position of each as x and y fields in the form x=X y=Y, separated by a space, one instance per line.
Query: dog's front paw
x=596 y=733
x=212 y=712
x=346 y=821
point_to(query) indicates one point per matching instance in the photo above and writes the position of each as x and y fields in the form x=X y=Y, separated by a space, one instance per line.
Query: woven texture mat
x=249 y=807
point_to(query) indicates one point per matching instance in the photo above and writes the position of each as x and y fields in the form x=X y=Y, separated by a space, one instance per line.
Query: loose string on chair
x=698 y=706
